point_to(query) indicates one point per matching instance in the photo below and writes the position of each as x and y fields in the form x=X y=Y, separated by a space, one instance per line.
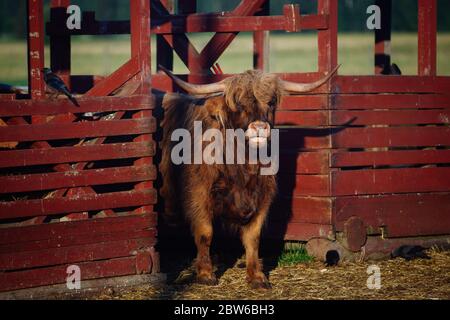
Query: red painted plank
x=31 y=157
x=36 y=57
x=302 y=210
x=307 y=102
x=57 y=131
x=305 y=139
x=90 y=202
x=298 y=231
x=328 y=39
x=397 y=157
x=382 y=181
x=427 y=36
x=401 y=215
x=303 y=118
x=53 y=275
x=392 y=84
x=73 y=254
x=392 y=137
x=390 y=101
x=228 y=23
x=70 y=240
x=71 y=179
x=77 y=229
x=304 y=162
x=18 y=108
x=397 y=117
x=303 y=185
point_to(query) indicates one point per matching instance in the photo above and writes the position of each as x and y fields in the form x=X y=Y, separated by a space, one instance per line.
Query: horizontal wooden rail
x=342 y=159
x=77 y=229
x=58 y=131
x=79 y=203
x=384 y=181
x=18 y=108
x=72 y=179
x=198 y=23
x=32 y=157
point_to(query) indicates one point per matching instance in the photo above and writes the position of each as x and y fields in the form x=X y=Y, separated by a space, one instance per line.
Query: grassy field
x=289 y=53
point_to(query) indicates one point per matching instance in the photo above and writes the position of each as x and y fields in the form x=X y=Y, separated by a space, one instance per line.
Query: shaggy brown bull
x=235 y=193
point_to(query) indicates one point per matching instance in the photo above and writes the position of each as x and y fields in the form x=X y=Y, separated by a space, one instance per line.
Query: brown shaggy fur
x=237 y=194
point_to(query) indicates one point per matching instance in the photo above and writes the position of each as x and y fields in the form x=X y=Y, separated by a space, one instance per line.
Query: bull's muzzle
x=258 y=133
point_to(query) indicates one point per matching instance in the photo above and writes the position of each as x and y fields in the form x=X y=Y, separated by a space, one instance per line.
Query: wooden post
x=383 y=38
x=60 y=45
x=328 y=53
x=187 y=6
x=36 y=59
x=140 y=42
x=427 y=29
x=164 y=53
x=261 y=44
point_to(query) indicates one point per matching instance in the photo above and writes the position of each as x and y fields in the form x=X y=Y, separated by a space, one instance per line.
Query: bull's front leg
x=203 y=232
x=250 y=235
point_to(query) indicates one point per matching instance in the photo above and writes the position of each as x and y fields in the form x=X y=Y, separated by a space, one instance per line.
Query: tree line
x=352 y=13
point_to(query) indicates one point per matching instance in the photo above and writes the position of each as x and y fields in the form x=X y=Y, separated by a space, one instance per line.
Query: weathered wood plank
x=89 y=202
x=73 y=254
x=19 y=108
x=75 y=178
x=79 y=229
x=58 y=131
x=383 y=181
x=399 y=215
x=31 y=157
x=341 y=159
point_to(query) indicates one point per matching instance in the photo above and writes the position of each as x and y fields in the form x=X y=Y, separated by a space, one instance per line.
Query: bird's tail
x=71 y=98
x=74 y=101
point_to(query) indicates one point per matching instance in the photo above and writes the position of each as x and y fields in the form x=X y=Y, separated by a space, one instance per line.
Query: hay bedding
x=400 y=279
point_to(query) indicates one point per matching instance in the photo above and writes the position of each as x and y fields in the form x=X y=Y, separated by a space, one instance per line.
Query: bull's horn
x=196 y=88
x=306 y=87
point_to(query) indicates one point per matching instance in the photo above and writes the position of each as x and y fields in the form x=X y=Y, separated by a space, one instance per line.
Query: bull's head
x=247 y=101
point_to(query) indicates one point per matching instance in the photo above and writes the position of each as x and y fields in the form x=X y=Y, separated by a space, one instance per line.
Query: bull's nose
x=259 y=125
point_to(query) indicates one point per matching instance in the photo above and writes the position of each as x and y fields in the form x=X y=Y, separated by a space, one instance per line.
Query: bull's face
x=247 y=101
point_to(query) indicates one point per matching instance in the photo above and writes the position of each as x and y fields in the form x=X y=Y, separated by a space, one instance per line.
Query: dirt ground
x=400 y=279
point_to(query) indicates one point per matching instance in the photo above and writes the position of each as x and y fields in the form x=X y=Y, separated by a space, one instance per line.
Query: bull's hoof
x=263 y=284
x=207 y=280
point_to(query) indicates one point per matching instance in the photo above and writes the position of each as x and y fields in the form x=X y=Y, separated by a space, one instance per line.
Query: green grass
x=288 y=53
x=294 y=254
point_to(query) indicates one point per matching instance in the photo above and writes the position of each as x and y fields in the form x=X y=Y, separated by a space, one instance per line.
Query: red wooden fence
x=361 y=156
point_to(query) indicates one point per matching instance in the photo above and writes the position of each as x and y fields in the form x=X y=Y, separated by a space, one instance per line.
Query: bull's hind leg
x=250 y=235
x=203 y=232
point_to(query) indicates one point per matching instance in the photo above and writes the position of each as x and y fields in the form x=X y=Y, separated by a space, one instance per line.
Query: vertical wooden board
x=427 y=36
x=36 y=59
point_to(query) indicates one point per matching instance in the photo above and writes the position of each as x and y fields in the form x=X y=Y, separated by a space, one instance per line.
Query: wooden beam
x=36 y=58
x=427 y=29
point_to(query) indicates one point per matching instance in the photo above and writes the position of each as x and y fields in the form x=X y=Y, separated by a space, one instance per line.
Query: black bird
x=6 y=88
x=410 y=253
x=332 y=258
x=57 y=86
